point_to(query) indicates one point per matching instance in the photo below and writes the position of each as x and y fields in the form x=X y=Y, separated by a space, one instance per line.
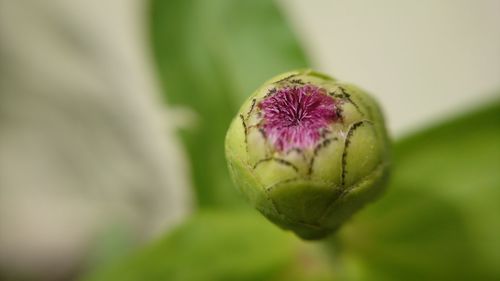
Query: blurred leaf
x=212 y=246
x=211 y=55
x=440 y=217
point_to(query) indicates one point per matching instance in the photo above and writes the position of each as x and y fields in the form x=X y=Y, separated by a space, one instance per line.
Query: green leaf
x=211 y=55
x=211 y=246
x=440 y=216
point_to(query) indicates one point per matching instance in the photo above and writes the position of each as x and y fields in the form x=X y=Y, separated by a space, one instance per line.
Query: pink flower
x=296 y=117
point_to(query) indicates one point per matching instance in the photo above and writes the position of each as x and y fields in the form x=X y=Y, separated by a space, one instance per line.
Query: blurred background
x=113 y=115
x=424 y=60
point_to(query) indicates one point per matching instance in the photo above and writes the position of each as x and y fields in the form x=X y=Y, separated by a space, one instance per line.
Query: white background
x=423 y=60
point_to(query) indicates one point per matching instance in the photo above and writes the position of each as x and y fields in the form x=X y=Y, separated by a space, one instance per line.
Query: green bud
x=308 y=151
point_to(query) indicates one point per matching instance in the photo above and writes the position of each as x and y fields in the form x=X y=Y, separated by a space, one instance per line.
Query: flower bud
x=308 y=151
